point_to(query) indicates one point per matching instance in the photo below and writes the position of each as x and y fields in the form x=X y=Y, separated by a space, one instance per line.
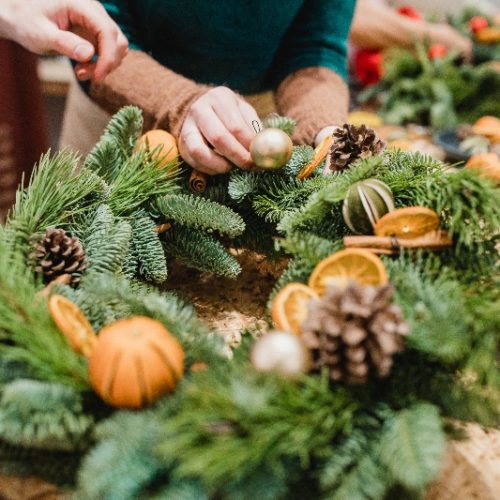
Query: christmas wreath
x=386 y=321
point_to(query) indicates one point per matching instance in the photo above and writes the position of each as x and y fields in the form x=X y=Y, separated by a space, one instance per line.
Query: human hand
x=217 y=132
x=451 y=38
x=78 y=29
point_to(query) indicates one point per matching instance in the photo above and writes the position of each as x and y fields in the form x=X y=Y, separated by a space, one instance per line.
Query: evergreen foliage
x=27 y=331
x=57 y=193
x=199 y=213
x=200 y=251
x=147 y=250
x=284 y=123
x=107 y=242
x=284 y=421
x=44 y=416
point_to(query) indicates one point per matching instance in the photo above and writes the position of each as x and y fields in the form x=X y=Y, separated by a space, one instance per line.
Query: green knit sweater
x=247 y=45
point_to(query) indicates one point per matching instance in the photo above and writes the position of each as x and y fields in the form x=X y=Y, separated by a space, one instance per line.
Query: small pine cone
x=350 y=143
x=355 y=332
x=56 y=253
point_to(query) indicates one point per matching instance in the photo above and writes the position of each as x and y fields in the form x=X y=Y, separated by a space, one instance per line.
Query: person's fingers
x=68 y=44
x=85 y=71
x=111 y=44
x=195 y=151
x=233 y=119
x=214 y=131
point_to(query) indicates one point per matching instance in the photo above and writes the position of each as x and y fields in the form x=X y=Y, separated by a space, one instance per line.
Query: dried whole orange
x=73 y=324
x=162 y=143
x=291 y=307
x=134 y=362
x=489 y=126
x=487 y=165
x=408 y=222
x=319 y=155
x=350 y=264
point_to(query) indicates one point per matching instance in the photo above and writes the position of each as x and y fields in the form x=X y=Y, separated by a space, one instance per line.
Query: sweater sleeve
x=317 y=37
x=163 y=95
x=315 y=98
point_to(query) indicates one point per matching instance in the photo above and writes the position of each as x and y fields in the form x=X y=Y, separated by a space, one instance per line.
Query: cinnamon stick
x=434 y=240
x=163 y=228
x=198 y=181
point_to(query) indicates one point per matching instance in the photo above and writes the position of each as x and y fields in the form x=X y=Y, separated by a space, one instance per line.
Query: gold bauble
x=281 y=352
x=271 y=149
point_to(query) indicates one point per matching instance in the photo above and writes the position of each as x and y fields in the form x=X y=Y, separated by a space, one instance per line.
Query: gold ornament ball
x=271 y=149
x=281 y=352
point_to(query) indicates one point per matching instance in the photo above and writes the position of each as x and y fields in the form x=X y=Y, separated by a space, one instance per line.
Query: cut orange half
x=350 y=264
x=319 y=155
x=408 y=222
x=73 y=324
x=291 y=307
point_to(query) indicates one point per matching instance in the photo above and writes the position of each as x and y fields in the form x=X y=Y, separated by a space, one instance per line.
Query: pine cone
x=350 y=143
x=56 y=254
x=355 y=332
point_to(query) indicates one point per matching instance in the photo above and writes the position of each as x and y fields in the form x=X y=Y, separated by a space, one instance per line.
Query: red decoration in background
x=437 y=51
x=368 y=66
x=410 y=12
x=477 y=23
x=23 y=132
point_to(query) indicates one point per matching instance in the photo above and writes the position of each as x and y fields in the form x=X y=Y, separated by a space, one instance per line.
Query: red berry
x=437 y=50
x=410 y=12
x=477 y=23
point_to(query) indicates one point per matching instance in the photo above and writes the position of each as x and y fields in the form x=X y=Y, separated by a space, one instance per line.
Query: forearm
x=315 y=98
x=164 y=96
x=377 y=26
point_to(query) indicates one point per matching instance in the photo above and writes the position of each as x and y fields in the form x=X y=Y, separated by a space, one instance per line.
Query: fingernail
x=82 y=75
x=83 y=52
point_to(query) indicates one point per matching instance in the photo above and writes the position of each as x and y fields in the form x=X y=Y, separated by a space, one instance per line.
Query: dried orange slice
x=319 y=155
x=291 y=307
x=346 y=265
x=408 y=222
x=73 y=324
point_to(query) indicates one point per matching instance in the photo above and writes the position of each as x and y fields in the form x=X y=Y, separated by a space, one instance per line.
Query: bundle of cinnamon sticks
x=390 y=245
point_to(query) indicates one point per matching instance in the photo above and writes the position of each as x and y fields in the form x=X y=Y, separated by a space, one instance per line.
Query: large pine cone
x=56 y=254
x=355 y=332
x=350 y=143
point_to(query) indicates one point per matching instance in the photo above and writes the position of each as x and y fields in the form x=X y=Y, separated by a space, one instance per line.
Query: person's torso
x=231 y=42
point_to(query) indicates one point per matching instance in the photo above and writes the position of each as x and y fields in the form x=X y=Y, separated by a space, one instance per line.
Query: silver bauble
x=281 y=352
x=271 y=149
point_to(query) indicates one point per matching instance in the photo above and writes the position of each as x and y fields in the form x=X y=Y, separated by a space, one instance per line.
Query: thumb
x=72 y=46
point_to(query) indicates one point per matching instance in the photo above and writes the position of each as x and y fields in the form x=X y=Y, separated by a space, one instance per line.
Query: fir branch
x=412 y=445
x=122 y=466
x=29 y=334
x=301 y=156
x=468 y=205
x=56 y=194
x=139 y=180
x=116 y=144
x=309 y=247
x=107 y=242
x=284 y=123
x=242 y=184
x=44 y=416
x=201 y=251
x=434 y=307
x=122 y=299
x=199 y=213
x=232 y=423
x=148 y=250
